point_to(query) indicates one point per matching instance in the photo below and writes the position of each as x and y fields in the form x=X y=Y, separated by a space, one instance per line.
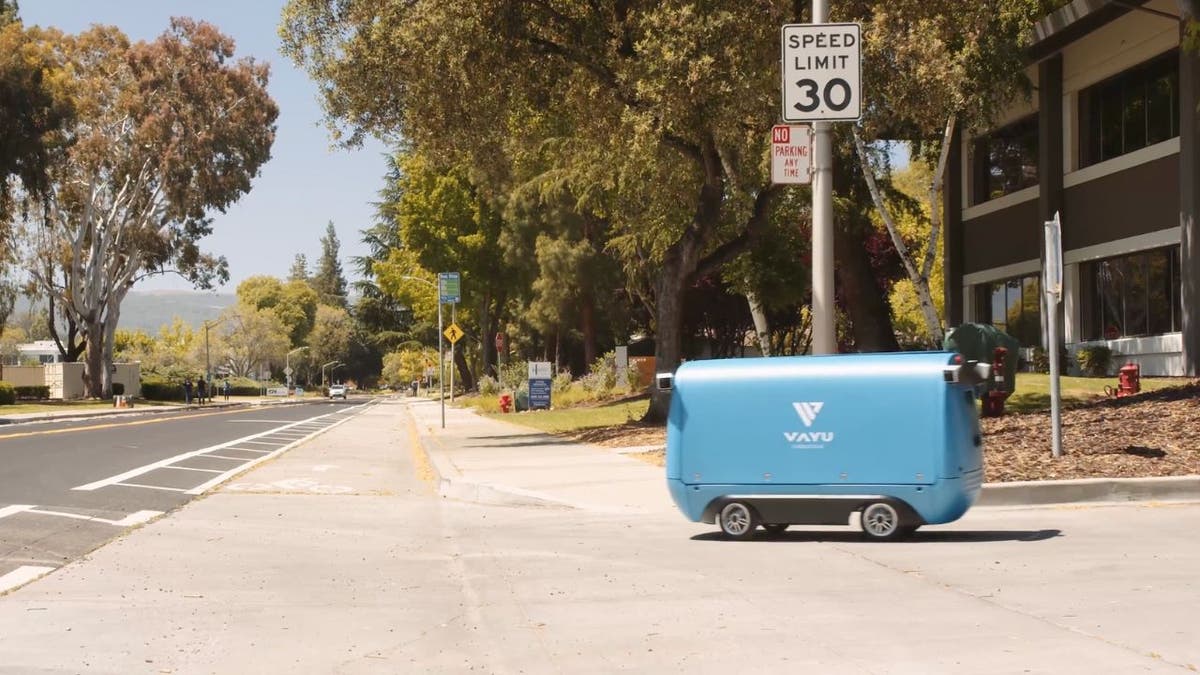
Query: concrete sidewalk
x=490 y=461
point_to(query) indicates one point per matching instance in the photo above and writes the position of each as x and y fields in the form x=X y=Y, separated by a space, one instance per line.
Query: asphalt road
x=68 y=487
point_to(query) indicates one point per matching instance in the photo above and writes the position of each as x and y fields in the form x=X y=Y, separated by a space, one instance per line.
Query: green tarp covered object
x=977 y=342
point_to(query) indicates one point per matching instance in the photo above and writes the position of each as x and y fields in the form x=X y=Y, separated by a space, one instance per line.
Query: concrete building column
x=952 y=233
x=1189 y=207
x=1050 y=162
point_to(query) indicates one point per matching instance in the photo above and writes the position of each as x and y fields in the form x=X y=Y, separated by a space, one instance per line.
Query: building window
x=1005 y=160
x=1014 y=306
x=1137 y=108
x=1131 y=295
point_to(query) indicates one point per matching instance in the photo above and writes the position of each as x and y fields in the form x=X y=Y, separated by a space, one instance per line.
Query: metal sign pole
x=441 y=366
x=1052 y=289
x=452 y=345
x=824 y=337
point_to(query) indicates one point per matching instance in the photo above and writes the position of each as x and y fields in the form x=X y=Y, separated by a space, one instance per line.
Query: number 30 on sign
x=822 y=72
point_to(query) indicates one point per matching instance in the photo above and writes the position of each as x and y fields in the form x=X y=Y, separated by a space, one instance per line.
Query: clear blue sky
x=304 y=186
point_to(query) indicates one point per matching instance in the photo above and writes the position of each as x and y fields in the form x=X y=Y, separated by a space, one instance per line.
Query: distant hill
x=148 y=310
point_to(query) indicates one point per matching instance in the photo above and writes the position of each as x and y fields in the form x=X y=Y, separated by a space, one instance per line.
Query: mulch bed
x=1152 y=434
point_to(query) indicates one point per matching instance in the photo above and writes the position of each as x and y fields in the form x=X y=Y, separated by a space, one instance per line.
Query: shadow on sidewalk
x=849 y=536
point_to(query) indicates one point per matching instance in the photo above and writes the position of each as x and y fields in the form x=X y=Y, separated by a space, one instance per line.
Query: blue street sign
x=449 y=287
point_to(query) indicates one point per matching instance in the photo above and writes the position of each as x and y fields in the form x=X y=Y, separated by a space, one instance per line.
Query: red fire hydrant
x=505 y=403
x=993 y=400
x=1129 y=381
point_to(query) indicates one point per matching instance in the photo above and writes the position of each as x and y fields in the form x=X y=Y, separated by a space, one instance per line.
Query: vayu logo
x=808 y=411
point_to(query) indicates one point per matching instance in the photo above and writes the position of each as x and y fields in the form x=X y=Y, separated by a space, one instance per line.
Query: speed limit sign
x=822 y=72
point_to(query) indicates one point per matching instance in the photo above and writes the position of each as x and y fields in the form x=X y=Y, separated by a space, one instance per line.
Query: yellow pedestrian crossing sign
x=453 y=333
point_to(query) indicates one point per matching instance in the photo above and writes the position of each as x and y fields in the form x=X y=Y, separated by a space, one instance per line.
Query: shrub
x=8 y=395
x=1041 y=360
x=604 y=372
x=514 y=374
x=1094 y=361
x=33 y=393
x=561 y=383
x=118 y=388
x=488 y=386
x=162 y=391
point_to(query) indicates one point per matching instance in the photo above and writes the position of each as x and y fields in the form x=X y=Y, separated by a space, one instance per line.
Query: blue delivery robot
x=812 y=439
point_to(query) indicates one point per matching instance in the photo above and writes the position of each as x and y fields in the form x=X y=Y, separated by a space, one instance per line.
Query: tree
x=687 y=87
x=249 y=339
x=295 y=303
x=330 y=336
x=167 y=131
x=299 y=270
x=978 y=51
x=328 y=281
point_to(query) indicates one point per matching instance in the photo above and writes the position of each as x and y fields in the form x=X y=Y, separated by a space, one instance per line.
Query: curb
x=136 y=410
x=1083 y=490
x=452 y=485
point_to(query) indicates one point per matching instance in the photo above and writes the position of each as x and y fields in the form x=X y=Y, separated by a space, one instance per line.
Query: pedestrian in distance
x=226 y=388
x=201 y=389
x=187 y=391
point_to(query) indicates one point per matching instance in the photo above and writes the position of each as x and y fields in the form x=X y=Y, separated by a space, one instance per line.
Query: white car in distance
x=337 y=391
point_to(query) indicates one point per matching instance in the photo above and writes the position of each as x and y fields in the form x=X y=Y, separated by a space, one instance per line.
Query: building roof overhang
x=1075 y=20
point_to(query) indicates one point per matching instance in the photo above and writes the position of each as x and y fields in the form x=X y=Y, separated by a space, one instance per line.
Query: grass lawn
x=581 y=417
x=1033 y=389
x=63 y=406
x=1033 y=393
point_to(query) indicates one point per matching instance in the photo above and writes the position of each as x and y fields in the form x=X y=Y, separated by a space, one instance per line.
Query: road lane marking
x=236 y=459
x=201 y=489
x=14 y=510
x=113 y=425
x=192 y=468
x=120 y=479
x=135 y=518
x=150 y=487
x=261 y=452
x=22 y=575
x=113 y=480
x=264 y=442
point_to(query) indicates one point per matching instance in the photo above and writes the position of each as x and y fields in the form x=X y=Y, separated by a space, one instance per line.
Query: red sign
x=781 y=134
x=499 y=342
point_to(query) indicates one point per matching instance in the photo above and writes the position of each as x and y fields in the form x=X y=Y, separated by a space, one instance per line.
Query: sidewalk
x=490 y=461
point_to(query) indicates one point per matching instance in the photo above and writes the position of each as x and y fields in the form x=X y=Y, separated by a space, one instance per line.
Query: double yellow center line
x=168 y=417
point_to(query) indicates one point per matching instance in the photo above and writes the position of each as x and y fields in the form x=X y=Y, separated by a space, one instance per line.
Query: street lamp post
x=331 y=363
x=207 y=360
x=287 y=364
x=441 y=353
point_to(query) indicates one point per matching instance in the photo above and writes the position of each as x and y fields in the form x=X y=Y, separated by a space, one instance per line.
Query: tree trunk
x=918 y=277
x=668 y=335
x=761 y=328
x=864 y=302
x=587 y=324
x=94 y=371
x=487 y=343
x=465 y=379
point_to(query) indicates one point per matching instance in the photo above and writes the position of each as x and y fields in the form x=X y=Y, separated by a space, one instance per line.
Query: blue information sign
x=449 y=287
x=539 y=394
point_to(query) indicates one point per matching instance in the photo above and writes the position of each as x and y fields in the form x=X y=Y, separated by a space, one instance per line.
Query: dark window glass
x=1013 y=306
x=1131 y=295
x=1130 y=111
x=1005 y=160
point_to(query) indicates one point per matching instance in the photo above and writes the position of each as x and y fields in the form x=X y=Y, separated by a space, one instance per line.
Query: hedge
x=162 y=391
x=8 y=395
x=33 y=393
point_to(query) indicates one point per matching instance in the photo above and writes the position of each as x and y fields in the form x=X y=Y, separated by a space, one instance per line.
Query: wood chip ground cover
x=1152 y=434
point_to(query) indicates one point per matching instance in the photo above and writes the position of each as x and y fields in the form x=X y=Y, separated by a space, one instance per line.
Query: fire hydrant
x=993 y=400
x=1129 y=381
x=506 y=403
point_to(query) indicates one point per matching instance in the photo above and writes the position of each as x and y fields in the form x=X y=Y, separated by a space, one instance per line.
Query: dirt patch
x=1153 y=434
